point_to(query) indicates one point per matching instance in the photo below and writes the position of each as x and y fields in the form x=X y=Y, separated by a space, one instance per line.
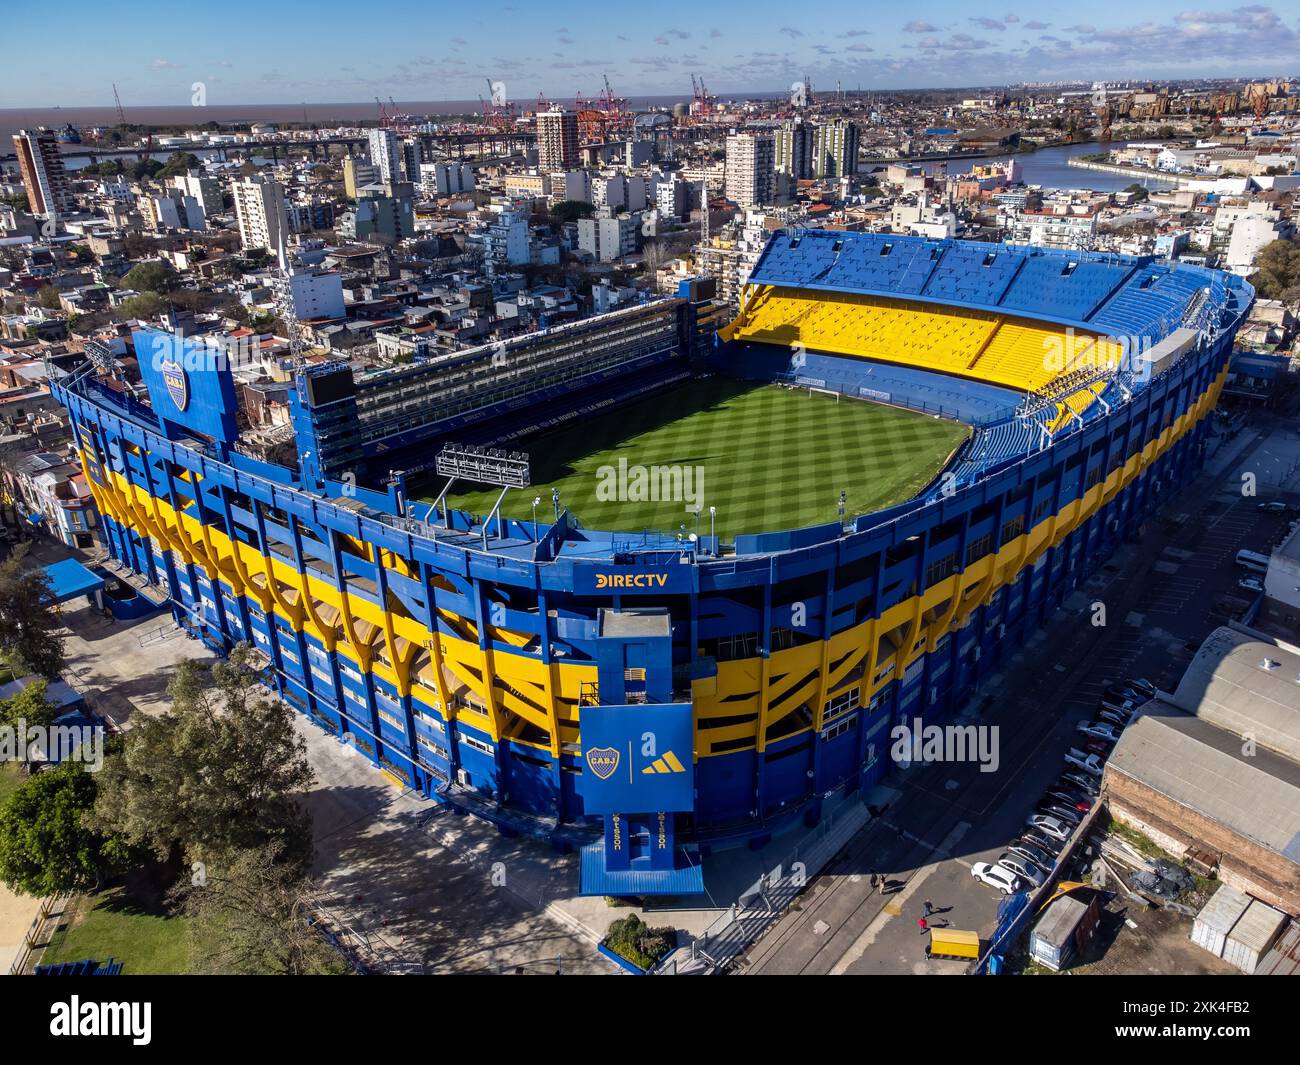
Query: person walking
x=923 y=925
x=929 y=909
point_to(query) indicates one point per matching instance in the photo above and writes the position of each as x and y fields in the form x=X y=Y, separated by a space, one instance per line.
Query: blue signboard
x=637 y=758
x=190 y=384
x=671 y=578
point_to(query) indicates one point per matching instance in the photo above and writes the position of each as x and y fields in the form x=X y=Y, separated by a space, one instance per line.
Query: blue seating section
x=1151 y=305
x=1115 y=295
x=1048 y=281
x=975 y=273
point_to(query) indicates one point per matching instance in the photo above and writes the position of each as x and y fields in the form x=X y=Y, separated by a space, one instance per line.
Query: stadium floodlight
x=484 y=465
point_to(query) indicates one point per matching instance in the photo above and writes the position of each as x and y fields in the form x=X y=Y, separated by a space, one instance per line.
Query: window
x=841 y=704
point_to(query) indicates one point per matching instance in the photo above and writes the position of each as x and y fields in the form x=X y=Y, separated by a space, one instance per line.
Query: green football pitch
x=767 y=457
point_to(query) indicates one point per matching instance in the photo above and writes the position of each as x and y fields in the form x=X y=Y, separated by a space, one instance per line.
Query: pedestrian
x=923 y=925
x=928 y=908
x=872 y=877
x=883 y=882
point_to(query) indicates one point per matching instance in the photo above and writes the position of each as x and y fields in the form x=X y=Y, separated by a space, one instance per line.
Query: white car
x=1052 y=827
x=996 y=876
x=1101 y=730
x=1089 y=763
x=1251 y=584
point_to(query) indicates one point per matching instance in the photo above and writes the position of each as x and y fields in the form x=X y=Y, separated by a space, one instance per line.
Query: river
x=1047 y=167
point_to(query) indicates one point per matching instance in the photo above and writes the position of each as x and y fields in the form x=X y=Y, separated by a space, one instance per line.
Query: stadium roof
x=1246 y=686
x=1201 y=766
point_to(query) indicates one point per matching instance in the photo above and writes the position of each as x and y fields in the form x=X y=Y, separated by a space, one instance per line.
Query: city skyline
x=737 y=48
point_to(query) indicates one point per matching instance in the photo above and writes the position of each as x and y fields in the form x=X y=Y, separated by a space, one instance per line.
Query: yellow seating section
x=986 y=346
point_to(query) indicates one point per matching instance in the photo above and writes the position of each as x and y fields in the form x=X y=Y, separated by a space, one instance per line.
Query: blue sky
x=339 y=50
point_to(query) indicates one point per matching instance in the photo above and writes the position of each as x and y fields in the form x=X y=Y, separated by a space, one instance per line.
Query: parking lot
x=1162 y=596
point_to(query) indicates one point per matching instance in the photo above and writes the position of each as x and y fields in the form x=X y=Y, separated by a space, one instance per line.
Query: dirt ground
x=1160 y=945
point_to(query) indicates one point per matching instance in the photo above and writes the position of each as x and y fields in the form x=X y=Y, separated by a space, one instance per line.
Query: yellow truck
x=953 y=943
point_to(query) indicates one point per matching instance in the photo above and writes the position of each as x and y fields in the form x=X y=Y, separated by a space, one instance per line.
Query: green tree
x=29 y=707
x=571 y=211
x=155 y=276
x=29 y=637
x=1278 y=269
x=47 y=296
x=1138 y=192
x=221 y=771
x=47 y=845
x=145 y=305
x=179 y=163
x=250 y=914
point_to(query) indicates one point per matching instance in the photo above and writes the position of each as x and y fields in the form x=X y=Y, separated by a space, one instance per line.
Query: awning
x=35 y=519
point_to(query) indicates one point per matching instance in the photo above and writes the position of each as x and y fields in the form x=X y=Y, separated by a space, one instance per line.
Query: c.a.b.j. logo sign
x=637 y=758
x=603 y=761
x=178 y=386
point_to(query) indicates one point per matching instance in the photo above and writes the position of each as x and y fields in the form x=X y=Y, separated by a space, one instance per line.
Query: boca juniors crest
x=178 y=386
x=603 y=761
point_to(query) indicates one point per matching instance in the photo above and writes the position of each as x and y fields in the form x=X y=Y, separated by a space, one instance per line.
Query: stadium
x=898 y=458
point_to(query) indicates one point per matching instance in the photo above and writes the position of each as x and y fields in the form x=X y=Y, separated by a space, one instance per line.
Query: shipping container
x=1214 y=922
x=1253 y=935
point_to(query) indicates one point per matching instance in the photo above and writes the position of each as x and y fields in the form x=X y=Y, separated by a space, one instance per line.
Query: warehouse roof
x=1247 y=686
x=1202 y=767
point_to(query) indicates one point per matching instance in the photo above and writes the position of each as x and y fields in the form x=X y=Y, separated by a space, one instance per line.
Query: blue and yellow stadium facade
x=464 y=672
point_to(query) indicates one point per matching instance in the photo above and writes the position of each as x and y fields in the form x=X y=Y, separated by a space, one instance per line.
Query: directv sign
x=671 y=578
x=637 y=759
x=190 y=385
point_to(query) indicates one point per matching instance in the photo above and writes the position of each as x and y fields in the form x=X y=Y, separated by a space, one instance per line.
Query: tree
x=221 y=771
x=1137 y=191
x=1279 y=269
x=47 y=296
x=250 y=914
x=571 y=211
x=156 y=276
x=47 y=845
x=28 y=623
x=29 y=707
x=179 y=163
x=144 y=306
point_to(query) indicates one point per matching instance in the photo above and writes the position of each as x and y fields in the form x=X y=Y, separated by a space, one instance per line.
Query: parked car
x=1120 y=694
x=1141 y=684
x=1250 y=584
x=1092 y=745
x=1100 y=730
x=1017 y=866
x=1120 y=706
x=1052 y=827
x=1080 y=782
x=1032 y=852
x=1065 y=811
x=996 y=876
x=1114 y=717
x=1273 y=506
x=1071 y=797
x=1089 y=763
x=1032 y=838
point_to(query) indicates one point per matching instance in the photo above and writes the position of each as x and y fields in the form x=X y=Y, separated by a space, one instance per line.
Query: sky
x=243 y=51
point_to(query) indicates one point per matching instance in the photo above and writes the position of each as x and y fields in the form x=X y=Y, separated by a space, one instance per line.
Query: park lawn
x=111 y=924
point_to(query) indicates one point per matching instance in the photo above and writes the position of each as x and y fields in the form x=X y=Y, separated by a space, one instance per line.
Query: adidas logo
x=668 y=763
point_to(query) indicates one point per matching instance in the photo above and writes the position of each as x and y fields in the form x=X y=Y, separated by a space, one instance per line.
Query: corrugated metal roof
x=1247 y=686
x=1202 y=767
